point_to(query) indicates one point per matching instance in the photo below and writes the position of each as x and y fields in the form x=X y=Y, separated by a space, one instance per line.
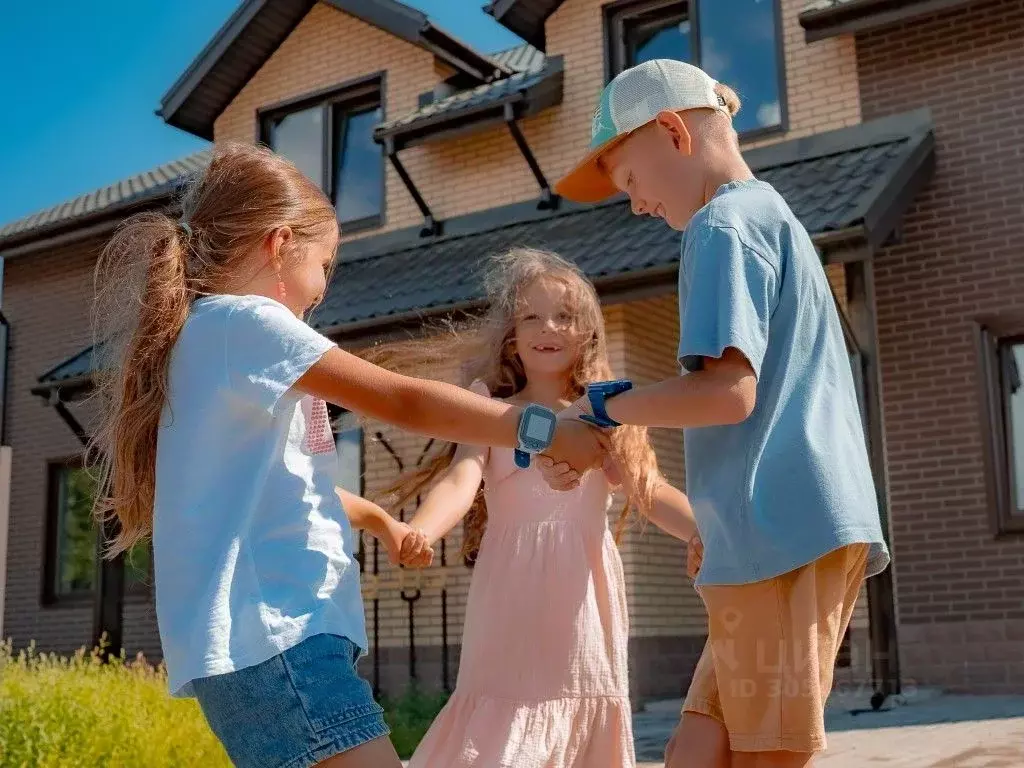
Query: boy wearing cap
x=776 y=462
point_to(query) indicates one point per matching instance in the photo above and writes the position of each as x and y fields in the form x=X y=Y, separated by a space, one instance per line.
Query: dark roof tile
x=539 y=87
x=147 y=186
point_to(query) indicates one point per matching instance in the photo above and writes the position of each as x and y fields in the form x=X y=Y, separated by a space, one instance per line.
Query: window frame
x=350 y=96
x=616 y=49
x=134 y=591
x=992 y=335
x=50 y=595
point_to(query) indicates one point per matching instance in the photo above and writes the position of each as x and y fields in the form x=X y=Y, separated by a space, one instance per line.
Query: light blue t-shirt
x=252 y=549
x=792 y=482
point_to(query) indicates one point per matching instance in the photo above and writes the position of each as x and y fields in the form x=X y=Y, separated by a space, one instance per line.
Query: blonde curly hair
x=485 y=351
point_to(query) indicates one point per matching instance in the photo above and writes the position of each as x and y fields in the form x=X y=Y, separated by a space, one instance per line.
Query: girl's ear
x=277 y=244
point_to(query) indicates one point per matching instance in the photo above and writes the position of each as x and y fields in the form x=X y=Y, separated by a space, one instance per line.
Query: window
x=348 y=437
x=73 y=548
x=330 y=138
x=1002 y=360
x=735 y=41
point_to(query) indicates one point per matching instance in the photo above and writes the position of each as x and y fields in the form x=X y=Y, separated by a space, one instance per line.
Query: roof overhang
x=524 y=17
x=830 y=18
x=521 y=95
x=98 y=213
x=848 y=187
x=258 y=27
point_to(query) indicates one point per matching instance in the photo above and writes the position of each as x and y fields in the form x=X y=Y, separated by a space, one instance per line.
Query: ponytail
x=147 y=278
x=136 y=344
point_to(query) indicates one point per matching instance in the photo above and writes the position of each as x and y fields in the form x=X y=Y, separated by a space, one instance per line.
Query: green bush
x=59 y=712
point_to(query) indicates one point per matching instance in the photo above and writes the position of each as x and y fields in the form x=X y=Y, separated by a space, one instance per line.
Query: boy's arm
x=449 y=501
x=731 y=292
x=723 y=392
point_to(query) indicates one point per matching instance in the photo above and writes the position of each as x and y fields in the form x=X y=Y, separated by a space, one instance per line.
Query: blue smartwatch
x=536 y=431
x=598 y=393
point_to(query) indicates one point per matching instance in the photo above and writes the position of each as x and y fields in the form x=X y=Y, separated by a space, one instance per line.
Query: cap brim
x=588 y=182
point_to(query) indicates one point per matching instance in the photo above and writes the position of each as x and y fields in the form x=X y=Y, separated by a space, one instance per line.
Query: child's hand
x=415 y=551
x=405 y=545
x=575 y=445
x=562 y=477
x=694 y=555
x=558 y=475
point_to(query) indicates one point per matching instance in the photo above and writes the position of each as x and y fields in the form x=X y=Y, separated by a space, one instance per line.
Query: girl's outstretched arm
x=396 y=536
x=434 y=408
x=452 y=497
x=671 y=511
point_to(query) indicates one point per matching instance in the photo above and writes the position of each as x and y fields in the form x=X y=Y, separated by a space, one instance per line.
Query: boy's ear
x=672 y=124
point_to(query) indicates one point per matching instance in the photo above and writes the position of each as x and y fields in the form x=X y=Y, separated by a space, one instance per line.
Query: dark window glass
x=1011 y=355
x=75 y=547
x=659 y=36
x=734 y=41
x=76 y=534
x=299 y=136
x=1001 y=380
x=330 y=139
x=739 y=47
x=358 y=166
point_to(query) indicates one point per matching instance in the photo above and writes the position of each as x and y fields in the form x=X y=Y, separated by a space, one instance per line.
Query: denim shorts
x=294 y=710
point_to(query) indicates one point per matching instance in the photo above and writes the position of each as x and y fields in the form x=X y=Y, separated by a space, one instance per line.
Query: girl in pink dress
x=543 y=679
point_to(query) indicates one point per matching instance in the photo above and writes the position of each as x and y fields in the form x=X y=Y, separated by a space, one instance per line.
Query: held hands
x=577 y=447
x=407 y=545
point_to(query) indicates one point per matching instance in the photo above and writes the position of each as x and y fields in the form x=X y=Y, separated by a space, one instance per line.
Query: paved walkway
x=929 y=730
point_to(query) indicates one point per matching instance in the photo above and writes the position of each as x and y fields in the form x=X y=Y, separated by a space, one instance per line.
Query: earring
x=282 y=292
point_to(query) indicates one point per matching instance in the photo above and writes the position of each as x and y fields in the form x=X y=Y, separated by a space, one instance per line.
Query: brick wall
x=46 y=302
x=959 y=257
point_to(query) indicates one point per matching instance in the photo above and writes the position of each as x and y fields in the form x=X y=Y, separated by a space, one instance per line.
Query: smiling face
x=545 y=333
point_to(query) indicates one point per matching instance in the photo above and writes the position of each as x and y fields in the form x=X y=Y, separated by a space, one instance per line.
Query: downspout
x=5 y=451
x=5 y=351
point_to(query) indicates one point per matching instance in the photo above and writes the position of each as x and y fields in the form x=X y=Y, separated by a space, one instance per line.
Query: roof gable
x=258 y=27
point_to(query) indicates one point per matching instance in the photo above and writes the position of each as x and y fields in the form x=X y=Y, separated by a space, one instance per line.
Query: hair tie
x=185 y=228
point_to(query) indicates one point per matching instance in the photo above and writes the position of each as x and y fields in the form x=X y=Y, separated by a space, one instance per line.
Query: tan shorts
x=766 y=669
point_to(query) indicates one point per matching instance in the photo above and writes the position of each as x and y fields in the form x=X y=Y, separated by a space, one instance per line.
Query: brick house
x=885 y=126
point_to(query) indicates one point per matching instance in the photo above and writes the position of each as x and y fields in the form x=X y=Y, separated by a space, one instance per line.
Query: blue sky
x=82 y=80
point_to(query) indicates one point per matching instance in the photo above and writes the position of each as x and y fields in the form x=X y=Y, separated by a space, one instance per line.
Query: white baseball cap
x=630 y=101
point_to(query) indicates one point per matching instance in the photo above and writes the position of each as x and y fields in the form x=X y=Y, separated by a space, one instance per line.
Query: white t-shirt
x=252 y=549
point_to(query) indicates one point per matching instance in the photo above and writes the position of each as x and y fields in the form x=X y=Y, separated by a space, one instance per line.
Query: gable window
x=330 y=138
x=72 y=557
x=738 y=42
x=1002 y=378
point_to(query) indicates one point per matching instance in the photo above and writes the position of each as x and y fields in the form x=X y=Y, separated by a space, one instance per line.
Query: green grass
x=78 y=711
x=409 y=717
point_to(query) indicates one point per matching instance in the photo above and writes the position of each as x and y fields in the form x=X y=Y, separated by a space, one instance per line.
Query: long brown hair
x=485 y=350
x=146 y=279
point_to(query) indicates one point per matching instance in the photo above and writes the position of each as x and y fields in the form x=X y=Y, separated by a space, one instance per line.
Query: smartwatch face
x=537 y=429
